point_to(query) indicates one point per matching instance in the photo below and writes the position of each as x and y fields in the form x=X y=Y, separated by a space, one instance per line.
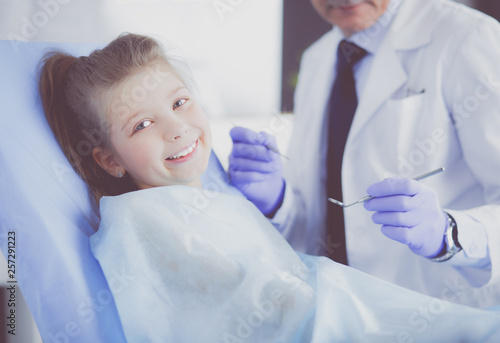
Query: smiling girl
x=151 y=129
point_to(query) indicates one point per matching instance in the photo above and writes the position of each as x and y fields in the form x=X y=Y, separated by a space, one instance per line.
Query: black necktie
x=342 y=105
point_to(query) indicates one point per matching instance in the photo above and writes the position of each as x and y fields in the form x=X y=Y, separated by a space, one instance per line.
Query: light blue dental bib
x=192 y=265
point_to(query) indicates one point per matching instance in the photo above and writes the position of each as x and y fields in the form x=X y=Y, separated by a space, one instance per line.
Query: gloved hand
x=255 y=170
x=409 y=213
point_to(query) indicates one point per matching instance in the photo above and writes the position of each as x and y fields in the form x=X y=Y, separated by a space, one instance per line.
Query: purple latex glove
x=255 y=170
x=409 y=213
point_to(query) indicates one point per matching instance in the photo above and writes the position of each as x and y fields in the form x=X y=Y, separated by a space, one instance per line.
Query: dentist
x=396 y=88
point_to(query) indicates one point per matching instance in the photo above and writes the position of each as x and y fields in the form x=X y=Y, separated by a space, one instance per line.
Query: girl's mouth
x=184 y=155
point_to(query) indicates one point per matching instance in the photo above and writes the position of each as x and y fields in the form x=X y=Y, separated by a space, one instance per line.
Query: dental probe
x=368 y=197
x=270 y=147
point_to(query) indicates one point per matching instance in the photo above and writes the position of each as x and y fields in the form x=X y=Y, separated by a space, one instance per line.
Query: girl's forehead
x=149 y=78
x=130 y=95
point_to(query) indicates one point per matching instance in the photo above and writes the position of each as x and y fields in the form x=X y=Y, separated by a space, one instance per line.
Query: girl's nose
x=178 y=136
x=175 y=129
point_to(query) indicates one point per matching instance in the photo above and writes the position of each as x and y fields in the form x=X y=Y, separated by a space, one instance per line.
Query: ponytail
x=64 y=125
x=55 y=81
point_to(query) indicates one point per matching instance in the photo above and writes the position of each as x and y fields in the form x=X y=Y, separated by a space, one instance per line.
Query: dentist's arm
x=256 y=170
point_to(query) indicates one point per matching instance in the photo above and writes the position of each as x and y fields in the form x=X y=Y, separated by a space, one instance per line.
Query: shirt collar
x=371 y=37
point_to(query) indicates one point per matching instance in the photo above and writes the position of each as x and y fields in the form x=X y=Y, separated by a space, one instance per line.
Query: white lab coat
x=452 y=53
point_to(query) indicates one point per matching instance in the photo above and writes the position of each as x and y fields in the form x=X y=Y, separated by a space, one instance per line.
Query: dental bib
x=200 y=266
x=191 y=265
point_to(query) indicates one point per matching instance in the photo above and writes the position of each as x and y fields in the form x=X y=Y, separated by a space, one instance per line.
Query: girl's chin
x=192 y=177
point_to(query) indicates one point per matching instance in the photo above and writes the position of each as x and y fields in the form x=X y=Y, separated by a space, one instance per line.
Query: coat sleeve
x=473 y=99
x=301 y=217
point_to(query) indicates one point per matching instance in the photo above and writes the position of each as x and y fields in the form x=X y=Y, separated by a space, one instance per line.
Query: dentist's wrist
x=451 y=245
x=279 y=201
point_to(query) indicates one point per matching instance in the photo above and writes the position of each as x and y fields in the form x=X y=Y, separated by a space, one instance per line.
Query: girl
x=207 y=267
x=149 y=130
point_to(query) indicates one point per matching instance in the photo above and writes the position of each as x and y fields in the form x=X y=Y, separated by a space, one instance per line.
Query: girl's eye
x=142 y=125
x=179 y=103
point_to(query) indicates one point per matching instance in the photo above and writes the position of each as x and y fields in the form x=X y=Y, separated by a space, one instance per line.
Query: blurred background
x=250 y=47
x=244 y=56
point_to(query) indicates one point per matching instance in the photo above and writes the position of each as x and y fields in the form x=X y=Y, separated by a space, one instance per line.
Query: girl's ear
x=105 y=158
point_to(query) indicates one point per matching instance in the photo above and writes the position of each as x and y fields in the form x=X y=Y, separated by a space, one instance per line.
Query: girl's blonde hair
x=71 y=89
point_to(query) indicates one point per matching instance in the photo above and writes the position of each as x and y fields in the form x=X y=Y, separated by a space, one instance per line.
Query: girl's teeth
x=183 y=152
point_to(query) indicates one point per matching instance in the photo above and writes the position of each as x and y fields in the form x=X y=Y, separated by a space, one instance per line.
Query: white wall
x=232 y=46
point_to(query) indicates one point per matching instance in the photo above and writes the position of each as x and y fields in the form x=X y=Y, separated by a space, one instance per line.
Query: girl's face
x=159 y=133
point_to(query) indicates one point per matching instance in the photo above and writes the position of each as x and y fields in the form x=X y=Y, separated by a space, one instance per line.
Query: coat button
x=473 y=249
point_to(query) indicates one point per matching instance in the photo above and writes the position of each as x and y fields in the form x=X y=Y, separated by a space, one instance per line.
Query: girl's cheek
x=127 y=152
x=137 y=153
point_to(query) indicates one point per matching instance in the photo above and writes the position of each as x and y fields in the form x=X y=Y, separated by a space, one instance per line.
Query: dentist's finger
x=394 y=186
x=244 y=177
x=254 y=152
x=394 y=203
x=244 y=164
x=404 y=219
x=397 y=233
x=243 y=135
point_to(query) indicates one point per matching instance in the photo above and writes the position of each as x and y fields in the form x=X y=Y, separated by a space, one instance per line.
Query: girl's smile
x=159 y=134
x=184 y=155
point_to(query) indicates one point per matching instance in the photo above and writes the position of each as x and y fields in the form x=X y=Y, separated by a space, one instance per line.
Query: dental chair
x=48 y=208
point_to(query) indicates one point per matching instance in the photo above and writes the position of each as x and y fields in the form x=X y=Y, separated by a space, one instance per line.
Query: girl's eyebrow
x=173 y=92
x=177 y=89
x=129 y=120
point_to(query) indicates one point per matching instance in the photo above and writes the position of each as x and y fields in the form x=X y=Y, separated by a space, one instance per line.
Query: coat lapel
x=387 y=74
x=319 y=86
